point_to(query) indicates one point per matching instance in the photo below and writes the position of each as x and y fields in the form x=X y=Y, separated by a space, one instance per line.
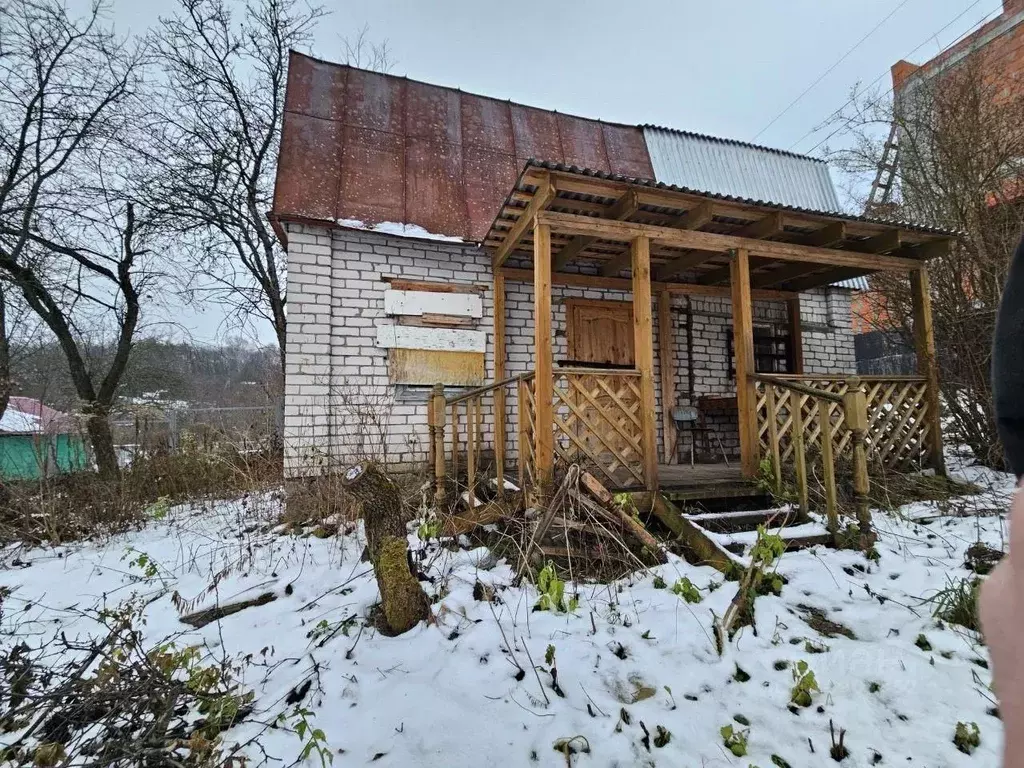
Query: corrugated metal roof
x=380 y=148
x=737 y=169
x=854 y=284
x=838 y=215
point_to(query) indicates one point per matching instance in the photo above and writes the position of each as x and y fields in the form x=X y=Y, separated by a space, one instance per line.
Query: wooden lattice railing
x=801 y=418
x=898 y=431
x=597 y=424
x=527 y=427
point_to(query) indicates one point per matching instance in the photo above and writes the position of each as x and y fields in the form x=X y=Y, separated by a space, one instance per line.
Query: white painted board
x=441 y=339
x=418 y=303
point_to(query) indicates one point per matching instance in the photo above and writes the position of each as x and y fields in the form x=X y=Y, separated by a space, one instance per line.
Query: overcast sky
x=724 y=68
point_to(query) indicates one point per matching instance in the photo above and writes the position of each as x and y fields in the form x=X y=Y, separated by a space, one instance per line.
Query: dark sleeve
x=1008 y=365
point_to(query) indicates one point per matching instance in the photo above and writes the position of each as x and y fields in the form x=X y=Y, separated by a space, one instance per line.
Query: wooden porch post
x=667 y=365
x=927 y=366
x=499 y=375
x=643 y=345
x=743 y=346
x=796 y=336
x=544 y=384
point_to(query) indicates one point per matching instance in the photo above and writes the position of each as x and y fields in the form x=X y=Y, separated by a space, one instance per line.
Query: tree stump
x=377 y=494
x=403 y=602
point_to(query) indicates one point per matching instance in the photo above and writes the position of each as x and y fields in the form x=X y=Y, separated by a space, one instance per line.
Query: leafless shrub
x=961 y=136
x=111 y=701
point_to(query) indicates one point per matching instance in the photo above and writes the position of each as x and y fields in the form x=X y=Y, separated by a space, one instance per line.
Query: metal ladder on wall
x=881 y=187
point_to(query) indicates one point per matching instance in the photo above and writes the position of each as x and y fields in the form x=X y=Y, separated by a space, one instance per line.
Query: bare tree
x=71 y=237
x=224 y=103
x=5 y=356
x=363 y=52
x=961 y=166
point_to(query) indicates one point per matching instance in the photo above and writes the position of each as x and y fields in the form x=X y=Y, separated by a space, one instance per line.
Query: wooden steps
x=748 y=520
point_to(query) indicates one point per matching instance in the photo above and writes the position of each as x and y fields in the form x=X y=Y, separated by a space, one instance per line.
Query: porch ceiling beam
x=693 y=219
x=545 y=193
x=696 y=217
x=708 y=241
x=685 y=262
x=783 y=274
x=762 y=228
x=887 y=242
x=620 y=210
x=723 y=274
x=624 y=284
x=828 y=236
x=824 y=278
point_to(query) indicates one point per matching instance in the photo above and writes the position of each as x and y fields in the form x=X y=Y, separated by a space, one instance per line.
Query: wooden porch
x=563 y=227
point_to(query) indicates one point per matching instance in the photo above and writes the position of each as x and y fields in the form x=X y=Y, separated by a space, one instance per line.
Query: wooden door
x=600 y=332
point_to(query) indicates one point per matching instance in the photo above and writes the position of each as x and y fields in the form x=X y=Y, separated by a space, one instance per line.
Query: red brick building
x=1000 y=41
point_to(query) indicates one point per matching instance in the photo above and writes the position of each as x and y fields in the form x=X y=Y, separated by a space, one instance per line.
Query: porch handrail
x=796 y=386
x=463 y=396
x=832 y=377
x=440 y=407
x=854 y=414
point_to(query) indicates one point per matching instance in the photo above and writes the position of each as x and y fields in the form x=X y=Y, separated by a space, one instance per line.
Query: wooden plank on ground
x=702 y=547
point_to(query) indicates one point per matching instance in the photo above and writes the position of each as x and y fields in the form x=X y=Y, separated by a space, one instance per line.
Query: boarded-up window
x=600 y=332
x=434 y=339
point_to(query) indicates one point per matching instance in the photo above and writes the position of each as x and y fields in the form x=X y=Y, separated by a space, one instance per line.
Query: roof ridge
x=458 y=89
x=734 y=142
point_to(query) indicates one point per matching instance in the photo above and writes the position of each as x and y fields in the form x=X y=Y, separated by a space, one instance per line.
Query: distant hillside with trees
x=235 y=373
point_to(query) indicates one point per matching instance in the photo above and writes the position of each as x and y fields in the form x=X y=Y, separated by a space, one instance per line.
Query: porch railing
x=879 y=419
x=458 y=433
x=597 y=422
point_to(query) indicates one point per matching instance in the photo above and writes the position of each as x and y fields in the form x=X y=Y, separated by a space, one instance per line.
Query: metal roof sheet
x=737 y=169
x=854 y=284
x=379 y=148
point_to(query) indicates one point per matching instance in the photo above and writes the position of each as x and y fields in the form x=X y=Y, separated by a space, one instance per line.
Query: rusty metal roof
x=370 y=148
x=379 y=148
x=738 y=169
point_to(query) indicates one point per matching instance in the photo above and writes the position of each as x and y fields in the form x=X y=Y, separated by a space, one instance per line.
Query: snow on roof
x=26 y=415
x=15 y=422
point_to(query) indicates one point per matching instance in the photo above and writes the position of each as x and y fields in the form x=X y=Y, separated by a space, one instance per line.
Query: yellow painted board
x=431 y=366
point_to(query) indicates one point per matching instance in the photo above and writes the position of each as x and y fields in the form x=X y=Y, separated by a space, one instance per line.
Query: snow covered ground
x=464 y=690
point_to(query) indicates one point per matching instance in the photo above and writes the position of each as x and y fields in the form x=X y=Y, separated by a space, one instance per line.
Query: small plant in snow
x=735 y=740
x=552 y=592
x=159 y=509
x=141 y=561
x=838 y=750
x=967 y=737
x=686 y=590
x=958 y=603
x=659 y=583
x=429 y=529
x=804 y=684
x=313 y=739
x=923 y=643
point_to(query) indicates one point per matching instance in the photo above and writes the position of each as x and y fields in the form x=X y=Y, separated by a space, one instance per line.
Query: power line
x=849 y=101
x=831 y=69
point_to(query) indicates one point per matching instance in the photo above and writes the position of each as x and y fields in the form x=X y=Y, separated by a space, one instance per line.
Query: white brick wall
x=340 y=406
